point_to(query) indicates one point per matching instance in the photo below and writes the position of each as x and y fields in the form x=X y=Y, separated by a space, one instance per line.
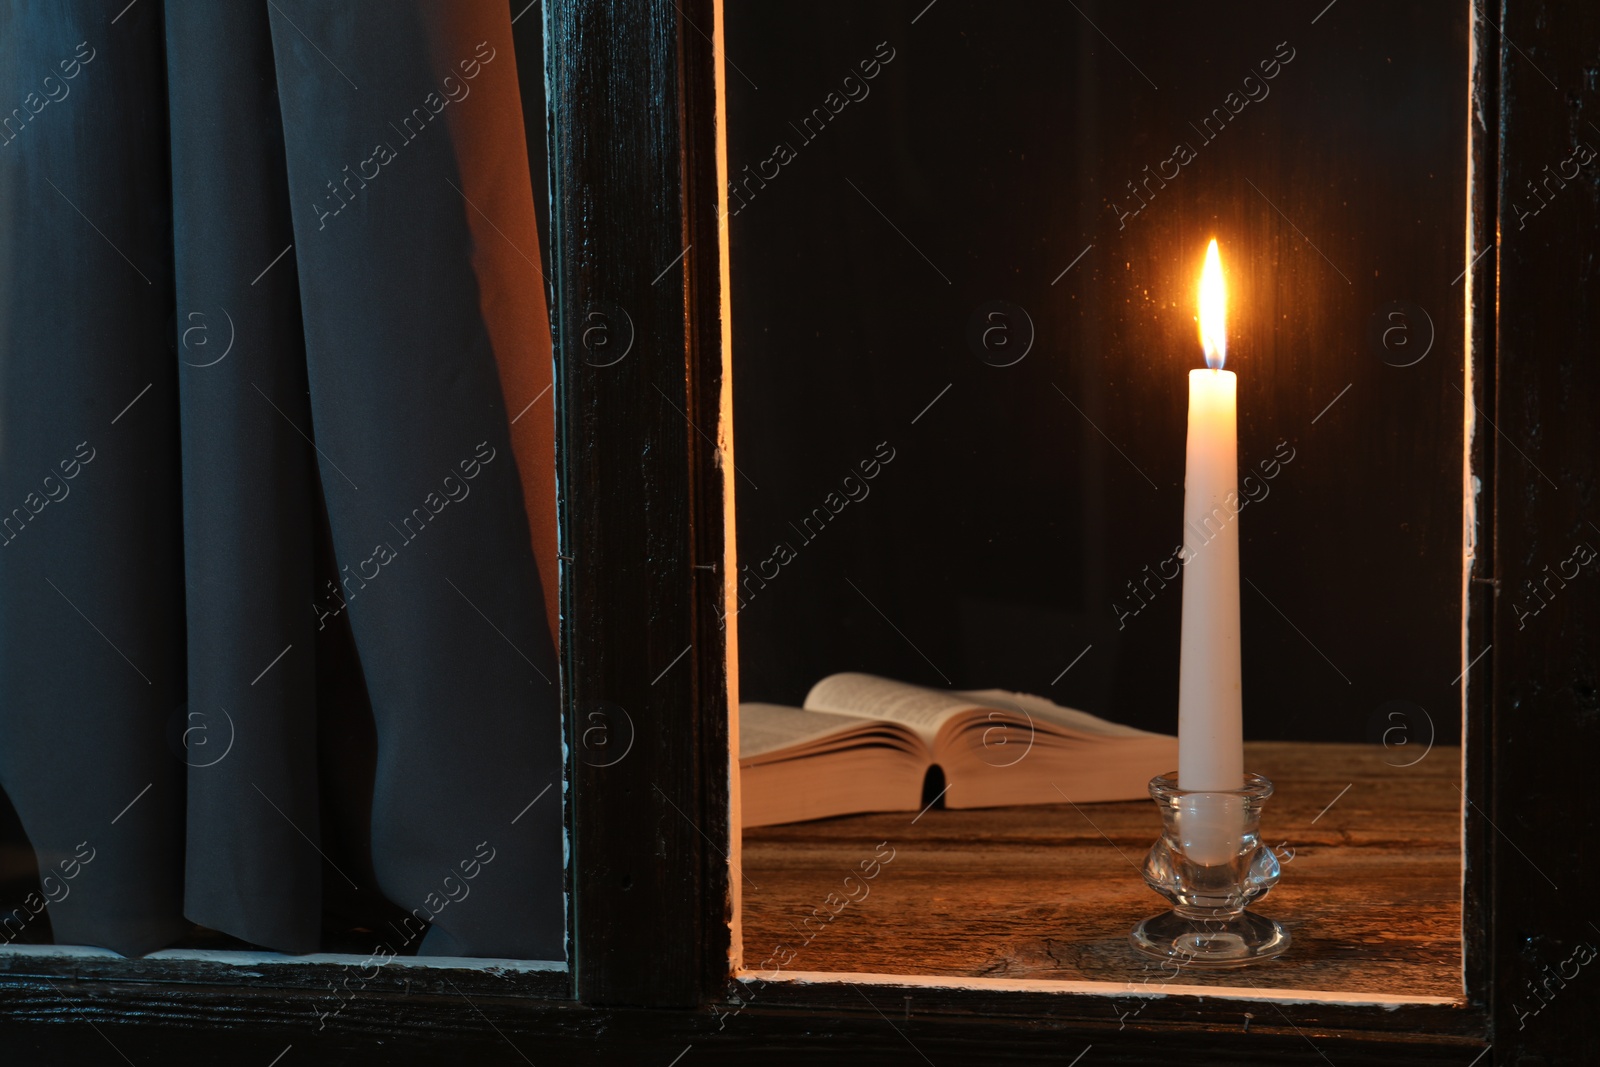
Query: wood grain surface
x=1371 y=895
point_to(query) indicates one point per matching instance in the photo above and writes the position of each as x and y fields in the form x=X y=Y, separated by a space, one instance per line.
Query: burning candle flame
x=1213 y=310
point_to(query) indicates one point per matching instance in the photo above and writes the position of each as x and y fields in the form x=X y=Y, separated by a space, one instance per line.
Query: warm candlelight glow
x=1210 y=696
x=1213 y=310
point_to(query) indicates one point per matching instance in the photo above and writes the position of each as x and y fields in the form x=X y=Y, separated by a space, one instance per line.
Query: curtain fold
x=249 y=732
x=283 y=253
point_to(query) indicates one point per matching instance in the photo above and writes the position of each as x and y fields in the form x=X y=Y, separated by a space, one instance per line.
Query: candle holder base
x=1210 y=863
x=1210 y=942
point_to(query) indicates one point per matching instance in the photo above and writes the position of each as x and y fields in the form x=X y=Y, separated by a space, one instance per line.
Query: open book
x=863 y=743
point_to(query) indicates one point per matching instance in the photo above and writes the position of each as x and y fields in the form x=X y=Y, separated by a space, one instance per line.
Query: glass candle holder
x=1210 y=863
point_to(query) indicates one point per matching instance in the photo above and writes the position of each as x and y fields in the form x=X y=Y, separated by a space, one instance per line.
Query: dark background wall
x=988 y=153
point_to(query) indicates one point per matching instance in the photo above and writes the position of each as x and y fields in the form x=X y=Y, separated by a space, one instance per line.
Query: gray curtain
x=272 y=636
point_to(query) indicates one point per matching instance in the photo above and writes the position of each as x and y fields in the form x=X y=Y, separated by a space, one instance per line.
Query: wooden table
x=1371 y=895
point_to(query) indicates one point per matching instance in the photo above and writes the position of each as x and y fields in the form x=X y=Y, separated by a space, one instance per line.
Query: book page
x=1048 y=712
x=765 y=728
x=870 y=697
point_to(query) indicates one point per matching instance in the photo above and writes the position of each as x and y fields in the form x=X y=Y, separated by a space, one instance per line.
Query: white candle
x=1210 y=719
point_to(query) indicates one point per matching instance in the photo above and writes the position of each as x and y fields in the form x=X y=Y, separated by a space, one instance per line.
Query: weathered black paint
x=652 y=950
x=635 y=252
x=1544 y=461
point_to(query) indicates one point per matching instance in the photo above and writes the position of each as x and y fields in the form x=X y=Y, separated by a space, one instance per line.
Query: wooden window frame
x=637 y=255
